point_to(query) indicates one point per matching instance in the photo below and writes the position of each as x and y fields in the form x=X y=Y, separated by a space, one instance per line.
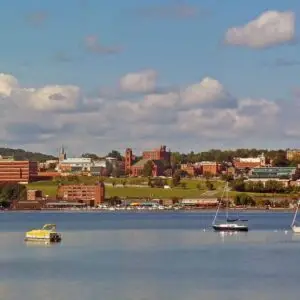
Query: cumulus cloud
x=208 y=92
x=139 y=82
x=201 y=113
x=269 y=29
x=8 y=83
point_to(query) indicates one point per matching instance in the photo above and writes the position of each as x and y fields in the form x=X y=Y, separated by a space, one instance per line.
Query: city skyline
x=194 y=75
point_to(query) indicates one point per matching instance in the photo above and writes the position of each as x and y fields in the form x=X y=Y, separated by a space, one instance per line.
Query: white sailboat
x=294 y=227
x=230 y=224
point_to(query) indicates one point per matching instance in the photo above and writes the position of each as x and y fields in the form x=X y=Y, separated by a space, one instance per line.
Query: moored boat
x=294 y=227
x=48 y=233
x=234 y=225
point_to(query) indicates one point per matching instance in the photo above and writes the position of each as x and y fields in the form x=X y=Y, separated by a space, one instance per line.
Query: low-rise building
x=18 y=171
x=92 y=195
x=282 y=174
x=293 y=154
x=241 y=163
x=210 y=167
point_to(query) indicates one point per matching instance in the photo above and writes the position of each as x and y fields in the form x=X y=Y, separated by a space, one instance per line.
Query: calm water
x=140 y=256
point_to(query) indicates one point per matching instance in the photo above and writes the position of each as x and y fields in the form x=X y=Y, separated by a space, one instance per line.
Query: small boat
x=294 y=227
x=235 y=224
x=48 y=233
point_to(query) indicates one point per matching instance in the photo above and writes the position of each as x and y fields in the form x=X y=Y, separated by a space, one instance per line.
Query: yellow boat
x=47 y=233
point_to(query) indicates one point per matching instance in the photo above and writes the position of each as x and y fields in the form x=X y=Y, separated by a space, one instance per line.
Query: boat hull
x=296 y=229
x=230 y=228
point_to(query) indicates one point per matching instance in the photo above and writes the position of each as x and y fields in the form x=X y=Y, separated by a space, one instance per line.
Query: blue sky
x=45 y=43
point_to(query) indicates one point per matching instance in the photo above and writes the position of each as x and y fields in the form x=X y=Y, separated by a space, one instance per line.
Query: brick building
x=18 y=171
x=210 y=167
x=160 y=159
x=293 y=154
x=92 y=195
x=33 y=195
x=250 y=162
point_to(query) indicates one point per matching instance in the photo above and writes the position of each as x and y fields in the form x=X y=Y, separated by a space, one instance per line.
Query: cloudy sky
x=97 y=75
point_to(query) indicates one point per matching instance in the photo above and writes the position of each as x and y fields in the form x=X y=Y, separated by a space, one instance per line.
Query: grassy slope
x=191 y=190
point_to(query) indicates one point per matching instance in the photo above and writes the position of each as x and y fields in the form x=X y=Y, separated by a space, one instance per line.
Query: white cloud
x=208 y=92
x=139 y=82
x=8 y=83
x=55 y=98
x=205 y=114
x=269 y=29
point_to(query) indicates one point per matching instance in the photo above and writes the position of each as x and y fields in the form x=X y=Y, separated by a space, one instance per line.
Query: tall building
x=91 y=195
x=128 y=160
x=18 y=171
x=160 y=158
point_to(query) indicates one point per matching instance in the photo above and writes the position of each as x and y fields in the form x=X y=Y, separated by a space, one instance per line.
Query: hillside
x=20 y=154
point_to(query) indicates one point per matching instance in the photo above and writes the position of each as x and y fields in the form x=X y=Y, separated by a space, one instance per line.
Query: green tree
x=209 y=185
x=183 y=185
x=148 y=169
x=176 y=178
x=199 y=186
x=115 y=154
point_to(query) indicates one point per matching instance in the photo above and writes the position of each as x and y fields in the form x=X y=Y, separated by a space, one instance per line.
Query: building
x=210 y=167
x=18 y=171
x=191 y=169
x=158 y=154
x=281 y=174
x=34 y=195
x=160 y=158
x=293 y=154
x=91 y=195
x=249 y=162
x=138 y=167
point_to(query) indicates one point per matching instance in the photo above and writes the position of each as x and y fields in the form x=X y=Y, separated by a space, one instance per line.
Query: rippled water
x=139 y=256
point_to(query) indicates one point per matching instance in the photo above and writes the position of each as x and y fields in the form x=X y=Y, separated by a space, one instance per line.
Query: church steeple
x=62 y=154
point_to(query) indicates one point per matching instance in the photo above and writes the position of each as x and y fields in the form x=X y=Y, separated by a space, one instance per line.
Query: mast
x=227 y=204
x=295 y=215
x=220 y=203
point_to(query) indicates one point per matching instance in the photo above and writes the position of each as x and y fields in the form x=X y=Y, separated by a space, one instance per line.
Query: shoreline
x=252 y=210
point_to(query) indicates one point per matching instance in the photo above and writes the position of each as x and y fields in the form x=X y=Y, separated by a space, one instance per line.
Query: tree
x=176 y=178
x=115 y=154
x=109 y=168
x=12 y=191
x=113 y=183
x=124 y=182
x=183 y=185
x=199 y=186
x=244 y=200
x=148 y=169
x=209 y=185
x=280 y=159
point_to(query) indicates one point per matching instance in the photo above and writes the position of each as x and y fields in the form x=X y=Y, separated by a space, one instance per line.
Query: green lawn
x=191 y=191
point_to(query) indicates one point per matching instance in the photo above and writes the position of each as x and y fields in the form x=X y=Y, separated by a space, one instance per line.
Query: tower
x=62 y=154
x=128 y=160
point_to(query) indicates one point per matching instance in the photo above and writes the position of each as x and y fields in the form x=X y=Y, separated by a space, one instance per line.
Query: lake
x=148 y=256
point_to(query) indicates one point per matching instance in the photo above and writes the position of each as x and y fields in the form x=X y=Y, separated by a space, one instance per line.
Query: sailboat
x=235 y=224
x=294 y=227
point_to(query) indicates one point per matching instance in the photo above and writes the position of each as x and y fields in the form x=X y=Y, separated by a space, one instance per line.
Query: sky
x=97 y=75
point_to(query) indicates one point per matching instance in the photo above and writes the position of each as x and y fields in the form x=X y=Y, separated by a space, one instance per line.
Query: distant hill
x=20 y=154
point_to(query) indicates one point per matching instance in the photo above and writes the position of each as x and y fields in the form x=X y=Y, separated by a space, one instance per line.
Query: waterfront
x=148 y=255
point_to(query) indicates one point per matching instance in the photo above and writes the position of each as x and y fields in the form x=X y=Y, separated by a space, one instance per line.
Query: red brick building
x=160 y=159
x=92 y=195
x=18 y=171
x=210 y=167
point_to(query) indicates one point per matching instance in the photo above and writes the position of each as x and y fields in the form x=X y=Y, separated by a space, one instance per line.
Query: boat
x=294 y=227
x=48 y=233
x=231 y=224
